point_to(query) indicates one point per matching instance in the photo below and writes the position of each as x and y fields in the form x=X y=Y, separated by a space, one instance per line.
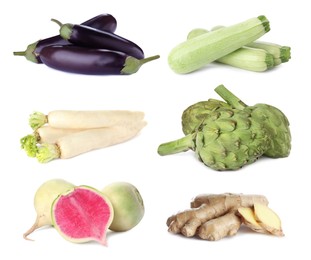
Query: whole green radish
x=127 y=204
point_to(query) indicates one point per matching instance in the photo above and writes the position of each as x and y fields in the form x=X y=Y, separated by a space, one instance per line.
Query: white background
x=167 y=184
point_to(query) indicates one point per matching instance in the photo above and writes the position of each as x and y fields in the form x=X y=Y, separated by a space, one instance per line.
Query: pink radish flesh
x=82 y=215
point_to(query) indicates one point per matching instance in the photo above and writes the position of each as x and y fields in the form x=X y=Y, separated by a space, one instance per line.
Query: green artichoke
x=278 y=126
x=194 y=115
x=227 y=139
x=227 y=136
x=273 y=119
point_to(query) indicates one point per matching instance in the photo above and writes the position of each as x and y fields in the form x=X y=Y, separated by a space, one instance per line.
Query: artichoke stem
x=230 y=98
x=177 y=146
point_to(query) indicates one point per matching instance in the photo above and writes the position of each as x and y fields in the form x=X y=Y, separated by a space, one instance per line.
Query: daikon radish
x=84 y=119
x=83 y=141
x=48 y=134
x=44 y=134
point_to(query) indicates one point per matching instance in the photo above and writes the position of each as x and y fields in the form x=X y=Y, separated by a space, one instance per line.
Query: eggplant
x=86 y=36
x=90 y=61
x=105 y=22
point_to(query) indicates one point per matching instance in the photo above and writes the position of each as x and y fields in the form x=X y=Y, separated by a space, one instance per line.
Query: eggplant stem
x=56 y=21
x=132 y=64
x=145 y=60
x=19 y=53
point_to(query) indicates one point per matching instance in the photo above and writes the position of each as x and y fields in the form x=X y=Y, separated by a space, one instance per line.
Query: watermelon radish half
x=82 y=214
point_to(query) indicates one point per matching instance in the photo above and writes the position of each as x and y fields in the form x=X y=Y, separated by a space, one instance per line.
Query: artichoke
x=227 y=136
x=278 y=126
x=227 y=139
x=194 y=115
x=273 y=119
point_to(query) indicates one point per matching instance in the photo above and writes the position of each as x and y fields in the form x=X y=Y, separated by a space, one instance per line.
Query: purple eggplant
x=82 y=35
x=90 y=61
x=105 y=22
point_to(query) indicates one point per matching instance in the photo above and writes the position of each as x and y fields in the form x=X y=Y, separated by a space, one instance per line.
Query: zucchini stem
x=285 y=53
x=265 y=22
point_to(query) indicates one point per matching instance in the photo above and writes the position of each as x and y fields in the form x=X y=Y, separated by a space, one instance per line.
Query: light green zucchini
x=246 y=58
x=196 y=32
x=280 y=53
x=197 y=52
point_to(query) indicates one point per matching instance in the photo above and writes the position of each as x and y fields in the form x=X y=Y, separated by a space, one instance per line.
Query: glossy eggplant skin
x=105 y=22
x=54 y=40
x=86 y=36
x=76 y=59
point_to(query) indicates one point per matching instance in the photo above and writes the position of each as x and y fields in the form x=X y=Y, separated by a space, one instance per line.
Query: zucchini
x=195 y=53
x=280 y=53
x=197 y=32
x=246 y=58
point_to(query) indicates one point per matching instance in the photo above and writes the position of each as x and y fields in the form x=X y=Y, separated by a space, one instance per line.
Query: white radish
x=84 y=141
x=84 y=119
x=48 y=134
x=43 y=200
x=44 y=134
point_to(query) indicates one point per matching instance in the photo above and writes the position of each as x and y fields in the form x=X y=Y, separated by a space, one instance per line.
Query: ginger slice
x=268 y=219
x=249 y=220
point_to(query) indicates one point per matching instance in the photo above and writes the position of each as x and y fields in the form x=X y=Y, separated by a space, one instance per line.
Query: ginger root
x=215 y=216
x=218 y=228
